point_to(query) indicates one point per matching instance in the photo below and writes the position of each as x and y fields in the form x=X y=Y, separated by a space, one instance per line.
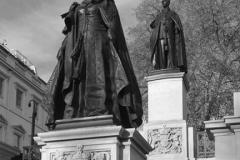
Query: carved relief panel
x=82 y=155
x=165 y=140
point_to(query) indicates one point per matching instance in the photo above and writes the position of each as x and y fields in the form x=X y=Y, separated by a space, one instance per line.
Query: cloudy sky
x=34 y=28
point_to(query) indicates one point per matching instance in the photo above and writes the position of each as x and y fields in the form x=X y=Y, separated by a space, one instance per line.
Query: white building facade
x=19 y=84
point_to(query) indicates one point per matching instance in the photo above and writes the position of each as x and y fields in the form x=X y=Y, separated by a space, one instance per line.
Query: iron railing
x=205 y=147
x=32 y=153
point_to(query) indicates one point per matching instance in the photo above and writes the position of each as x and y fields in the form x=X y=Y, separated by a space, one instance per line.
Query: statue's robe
x=94 y=76
x=176 y=58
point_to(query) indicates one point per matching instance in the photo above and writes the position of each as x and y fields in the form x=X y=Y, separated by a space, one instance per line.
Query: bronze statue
x=167 y=40
x=94 y=75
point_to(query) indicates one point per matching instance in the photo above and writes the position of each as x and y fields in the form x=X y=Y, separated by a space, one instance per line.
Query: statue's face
x=165 y=3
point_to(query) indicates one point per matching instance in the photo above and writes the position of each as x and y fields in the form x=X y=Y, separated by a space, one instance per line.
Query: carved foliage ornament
x=82 y=155
x=165 y=140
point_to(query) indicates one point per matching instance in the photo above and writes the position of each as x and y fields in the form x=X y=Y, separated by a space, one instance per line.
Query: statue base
x=104 y=142
x=166 y=130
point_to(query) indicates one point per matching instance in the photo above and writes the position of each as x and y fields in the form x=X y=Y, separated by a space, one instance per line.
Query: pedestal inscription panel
x=166 y=101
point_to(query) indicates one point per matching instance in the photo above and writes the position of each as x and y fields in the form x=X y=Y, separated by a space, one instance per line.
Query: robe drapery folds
x=94 y=75
x=178 y=52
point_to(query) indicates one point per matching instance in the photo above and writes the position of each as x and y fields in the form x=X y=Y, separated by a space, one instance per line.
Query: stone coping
x=222 y=132
x=167 y=74
x=79 y=133
x=165 y=122
x=235 y=128
x=227 y=125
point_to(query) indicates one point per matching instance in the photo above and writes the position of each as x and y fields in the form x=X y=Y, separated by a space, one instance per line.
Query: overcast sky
x=34 y=28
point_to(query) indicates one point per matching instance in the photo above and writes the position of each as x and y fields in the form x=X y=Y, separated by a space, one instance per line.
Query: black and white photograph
x=120 y=80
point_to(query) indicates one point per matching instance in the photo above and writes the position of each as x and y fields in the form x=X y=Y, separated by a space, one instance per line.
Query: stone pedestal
x=167 y=95
x=226 y=133
x=104 y=142
x=167 y=130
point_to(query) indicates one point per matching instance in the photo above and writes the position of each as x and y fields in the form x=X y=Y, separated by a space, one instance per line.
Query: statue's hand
x=111 y=35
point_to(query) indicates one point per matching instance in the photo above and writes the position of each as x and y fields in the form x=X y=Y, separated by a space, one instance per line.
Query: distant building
x=19 y=84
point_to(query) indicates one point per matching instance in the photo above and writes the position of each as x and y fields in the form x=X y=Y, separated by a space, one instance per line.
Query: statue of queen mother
x=94 y=75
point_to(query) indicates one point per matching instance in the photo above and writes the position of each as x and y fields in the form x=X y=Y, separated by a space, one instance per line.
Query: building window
x=1 y=86
x=16 y=140
x=18 y=134
x=19 y=95
x=3 y=82
x=3 y=124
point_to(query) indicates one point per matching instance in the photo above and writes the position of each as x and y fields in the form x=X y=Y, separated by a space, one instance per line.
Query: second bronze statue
x=94 y=75
x=167 y=40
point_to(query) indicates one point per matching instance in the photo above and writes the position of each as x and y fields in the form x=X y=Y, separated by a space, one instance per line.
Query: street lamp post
x=34 y=114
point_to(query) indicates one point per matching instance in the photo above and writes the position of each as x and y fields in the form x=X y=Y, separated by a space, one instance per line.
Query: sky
x=34 y=28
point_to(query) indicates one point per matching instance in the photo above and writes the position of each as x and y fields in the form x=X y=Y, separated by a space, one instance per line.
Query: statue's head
x=165 y=3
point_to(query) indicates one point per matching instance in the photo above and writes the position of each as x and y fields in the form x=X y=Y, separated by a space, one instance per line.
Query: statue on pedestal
x=167 y=40
x=94 y=75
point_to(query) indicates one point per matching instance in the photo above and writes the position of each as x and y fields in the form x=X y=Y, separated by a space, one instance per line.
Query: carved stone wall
x=82 y=155
x=165 y=140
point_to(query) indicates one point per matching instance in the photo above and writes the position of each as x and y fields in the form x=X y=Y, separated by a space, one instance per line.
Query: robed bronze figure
x=94 y=75
x=167 y=40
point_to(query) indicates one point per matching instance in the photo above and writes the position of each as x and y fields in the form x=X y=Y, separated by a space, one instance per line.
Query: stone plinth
x=226 y=133
x=167 y=95
x=105 y=142
x=167 y=130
